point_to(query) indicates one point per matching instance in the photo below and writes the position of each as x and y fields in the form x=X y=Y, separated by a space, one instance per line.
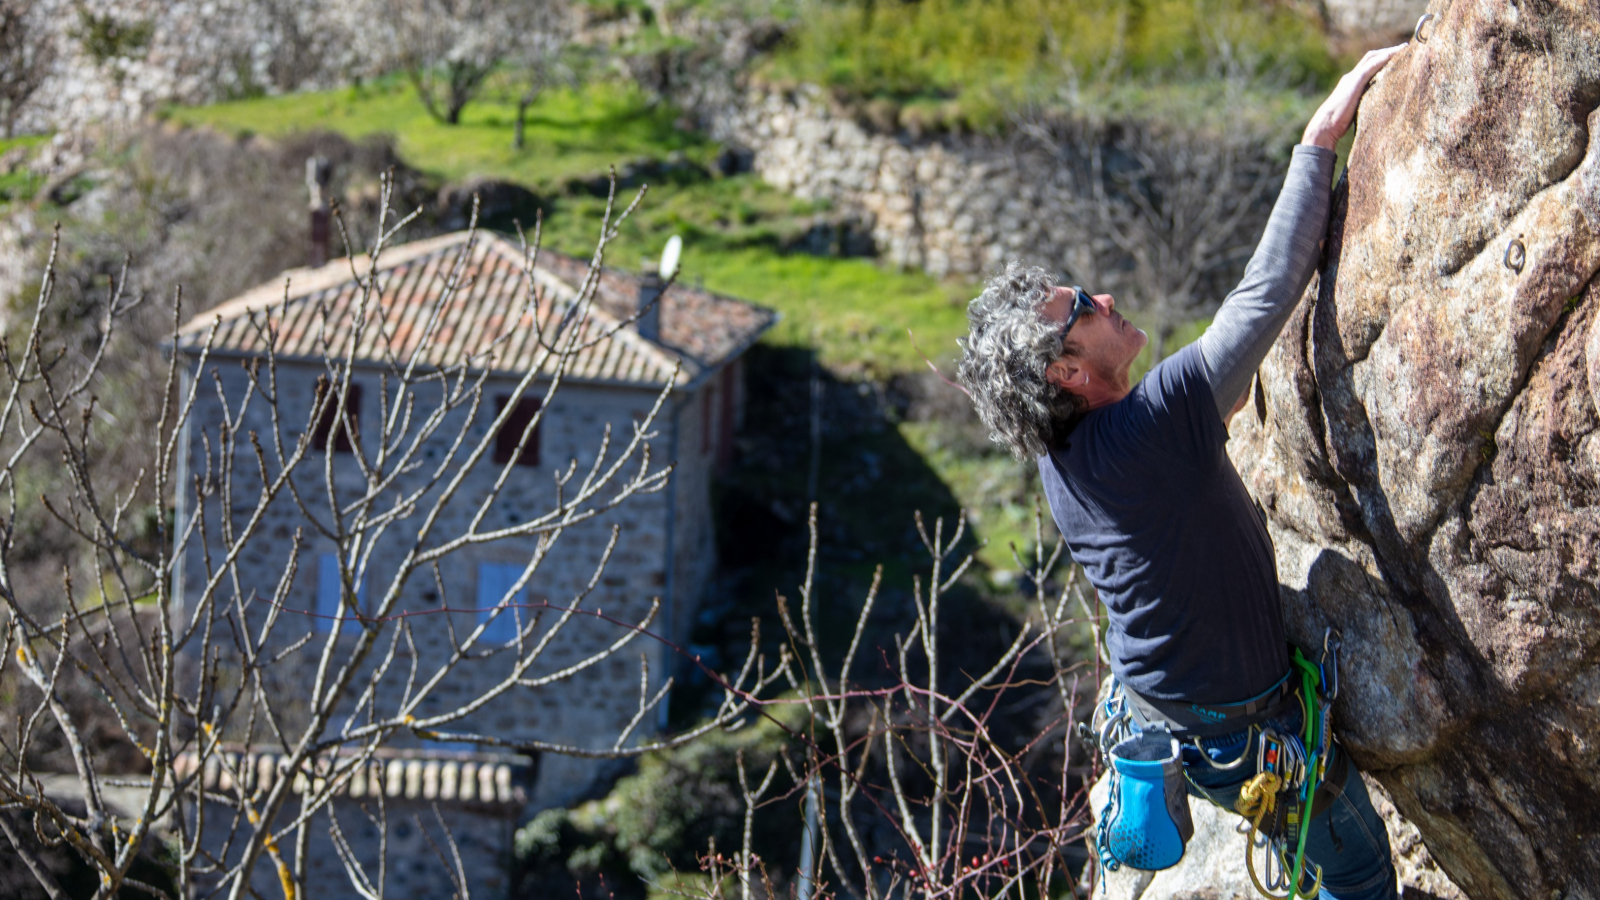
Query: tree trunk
x=420 y=84
x=525 y=101
x=1426 y=445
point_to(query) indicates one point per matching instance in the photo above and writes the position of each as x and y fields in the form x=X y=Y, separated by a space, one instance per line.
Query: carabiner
x=1226 y=767
x=1330 y=659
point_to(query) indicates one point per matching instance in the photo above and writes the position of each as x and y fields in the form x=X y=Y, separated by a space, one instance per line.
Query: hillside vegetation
x=974 y=63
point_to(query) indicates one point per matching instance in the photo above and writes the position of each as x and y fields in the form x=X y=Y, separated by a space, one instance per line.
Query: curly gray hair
x=1003 y=360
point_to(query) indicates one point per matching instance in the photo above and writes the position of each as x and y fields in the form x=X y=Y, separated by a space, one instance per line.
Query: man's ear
x=1067 y=373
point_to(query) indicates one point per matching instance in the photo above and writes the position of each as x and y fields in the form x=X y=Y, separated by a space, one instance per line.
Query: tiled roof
x=486 y=323
x=397 y=774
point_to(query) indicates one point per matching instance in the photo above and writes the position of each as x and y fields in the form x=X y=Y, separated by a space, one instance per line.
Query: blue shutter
x=494 y=580
x=327 y=591
x=328 y=606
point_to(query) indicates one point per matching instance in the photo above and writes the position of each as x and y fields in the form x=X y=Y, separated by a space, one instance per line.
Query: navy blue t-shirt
x=1154 y=511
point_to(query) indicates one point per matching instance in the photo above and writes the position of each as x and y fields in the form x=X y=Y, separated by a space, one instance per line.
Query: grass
x=854 y=313
x=570 y=133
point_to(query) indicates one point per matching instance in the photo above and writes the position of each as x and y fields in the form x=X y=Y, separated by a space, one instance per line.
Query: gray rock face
x=1425 y=441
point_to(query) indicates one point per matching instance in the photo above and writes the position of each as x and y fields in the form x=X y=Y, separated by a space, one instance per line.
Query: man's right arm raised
x=1252 y=315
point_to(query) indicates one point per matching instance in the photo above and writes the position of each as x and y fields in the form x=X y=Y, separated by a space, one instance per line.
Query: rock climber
x=1150 y=506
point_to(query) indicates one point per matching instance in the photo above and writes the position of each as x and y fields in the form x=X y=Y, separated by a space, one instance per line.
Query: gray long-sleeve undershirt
x=1248 y=323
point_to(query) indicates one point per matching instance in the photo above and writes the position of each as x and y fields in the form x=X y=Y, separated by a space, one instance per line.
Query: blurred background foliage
x=986 y=58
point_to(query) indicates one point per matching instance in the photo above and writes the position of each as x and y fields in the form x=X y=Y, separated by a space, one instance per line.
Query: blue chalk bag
x=1145 y=823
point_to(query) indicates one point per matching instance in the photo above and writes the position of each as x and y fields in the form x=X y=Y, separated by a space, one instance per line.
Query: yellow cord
x=1257 y=799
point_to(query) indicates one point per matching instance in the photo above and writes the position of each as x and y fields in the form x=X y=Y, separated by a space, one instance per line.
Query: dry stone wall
x=183 y=51
x=954 y=206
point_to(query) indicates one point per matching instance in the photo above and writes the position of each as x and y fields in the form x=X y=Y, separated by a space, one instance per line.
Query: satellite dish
x=669 y=257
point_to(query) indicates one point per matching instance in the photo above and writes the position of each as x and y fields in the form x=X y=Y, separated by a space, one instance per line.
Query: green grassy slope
x=968 y=64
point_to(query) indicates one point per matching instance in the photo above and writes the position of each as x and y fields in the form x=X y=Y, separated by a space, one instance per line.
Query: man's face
x=1106 y=342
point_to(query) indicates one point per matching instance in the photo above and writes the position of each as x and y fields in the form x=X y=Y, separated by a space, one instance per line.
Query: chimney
x=650 y=288
x=319 y=171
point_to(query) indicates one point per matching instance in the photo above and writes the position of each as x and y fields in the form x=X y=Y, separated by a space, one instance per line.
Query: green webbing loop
x=1310 y=685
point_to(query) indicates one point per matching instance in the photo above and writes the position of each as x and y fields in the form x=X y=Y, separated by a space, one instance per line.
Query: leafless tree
x=536 y=60
x=189 y=674
x=911 y=786
x=27 y=52
x=447 y=48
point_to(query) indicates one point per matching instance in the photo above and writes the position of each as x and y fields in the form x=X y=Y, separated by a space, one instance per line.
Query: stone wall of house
x=412 y=868
x=588 y=709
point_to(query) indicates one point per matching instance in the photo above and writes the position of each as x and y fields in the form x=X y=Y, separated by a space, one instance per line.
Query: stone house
x=689 y=344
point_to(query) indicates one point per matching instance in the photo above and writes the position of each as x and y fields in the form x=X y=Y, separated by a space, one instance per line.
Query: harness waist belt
x=1213 y=720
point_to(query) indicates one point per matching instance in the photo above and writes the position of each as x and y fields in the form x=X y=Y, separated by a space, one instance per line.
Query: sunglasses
x=1081 y=303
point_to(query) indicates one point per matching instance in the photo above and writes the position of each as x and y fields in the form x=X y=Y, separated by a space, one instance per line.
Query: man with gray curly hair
x=1142 y=489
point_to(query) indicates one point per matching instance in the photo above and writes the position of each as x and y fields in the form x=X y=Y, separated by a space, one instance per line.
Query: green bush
x=105 y=37
x=659 y=820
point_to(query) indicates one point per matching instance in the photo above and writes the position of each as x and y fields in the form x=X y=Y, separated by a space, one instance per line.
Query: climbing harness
x=1215 y=720
x=1290 y=788
x=1145 y=822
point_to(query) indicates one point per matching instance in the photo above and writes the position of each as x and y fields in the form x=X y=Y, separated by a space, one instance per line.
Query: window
x=329 y=590
x=348 y=434
x=510 y=434
x=495 y=580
